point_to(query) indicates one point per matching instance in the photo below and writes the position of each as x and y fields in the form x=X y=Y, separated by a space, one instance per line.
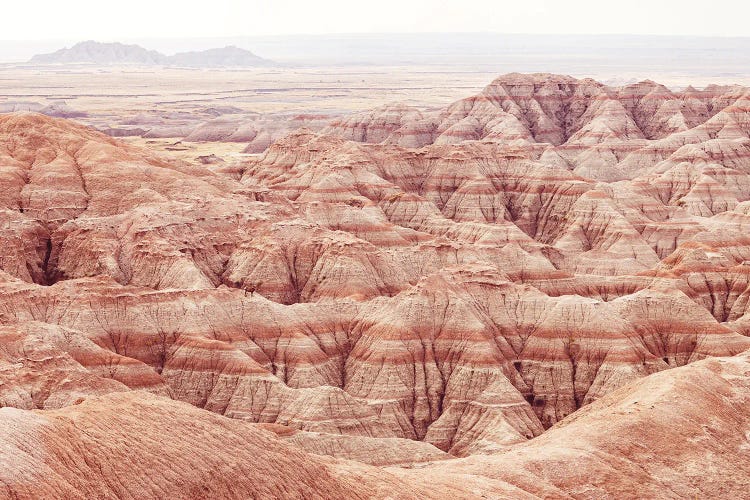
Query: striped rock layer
x=501 y=280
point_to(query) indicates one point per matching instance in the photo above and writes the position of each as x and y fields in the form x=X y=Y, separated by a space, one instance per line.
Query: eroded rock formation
x=422 y=285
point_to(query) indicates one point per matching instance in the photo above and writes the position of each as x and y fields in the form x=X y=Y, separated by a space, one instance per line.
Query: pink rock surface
x=376 y=298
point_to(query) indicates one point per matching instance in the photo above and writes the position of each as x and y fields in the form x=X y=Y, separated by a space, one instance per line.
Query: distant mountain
x=229 y=56
x=101 y=53
x=92 y=52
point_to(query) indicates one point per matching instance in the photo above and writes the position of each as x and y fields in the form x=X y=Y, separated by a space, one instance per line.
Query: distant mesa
x=91 y=52
x=229 y=56
x=101 y=53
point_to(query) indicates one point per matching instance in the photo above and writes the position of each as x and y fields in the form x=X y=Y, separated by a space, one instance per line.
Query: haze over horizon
x=146 y=19
x=620 y=57
x=337 y=32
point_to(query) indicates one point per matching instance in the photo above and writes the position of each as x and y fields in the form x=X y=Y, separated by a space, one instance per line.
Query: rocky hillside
x=552 y=304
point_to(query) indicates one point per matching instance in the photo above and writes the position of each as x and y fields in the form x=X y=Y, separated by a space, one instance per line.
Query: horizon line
x=380 y=33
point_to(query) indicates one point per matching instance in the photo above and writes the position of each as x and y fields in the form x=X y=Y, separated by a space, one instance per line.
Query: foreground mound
x=682 y=433
x=676 y=434
x=136 y=445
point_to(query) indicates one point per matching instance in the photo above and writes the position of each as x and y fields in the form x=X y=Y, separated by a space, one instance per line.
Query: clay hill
x=537 y=292
x=91 y=52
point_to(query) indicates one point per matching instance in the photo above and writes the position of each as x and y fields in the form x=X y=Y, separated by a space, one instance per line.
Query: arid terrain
x=308 y=283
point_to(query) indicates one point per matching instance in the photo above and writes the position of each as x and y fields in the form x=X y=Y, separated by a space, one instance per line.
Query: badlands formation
x=540 y=291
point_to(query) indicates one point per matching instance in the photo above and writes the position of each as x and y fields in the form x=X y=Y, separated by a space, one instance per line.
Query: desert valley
x=228 y=277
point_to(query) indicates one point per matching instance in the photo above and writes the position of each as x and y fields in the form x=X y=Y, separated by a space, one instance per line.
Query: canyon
x=541 y=290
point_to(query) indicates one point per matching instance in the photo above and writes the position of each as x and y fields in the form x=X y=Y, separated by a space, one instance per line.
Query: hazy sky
x=106 y=21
